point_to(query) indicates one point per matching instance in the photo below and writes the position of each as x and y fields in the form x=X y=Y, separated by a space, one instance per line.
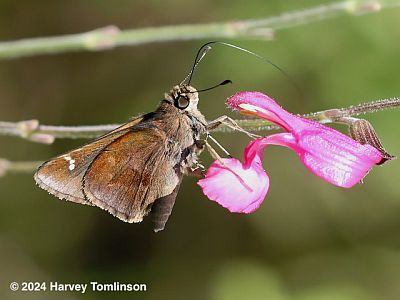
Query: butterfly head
x=183 y=97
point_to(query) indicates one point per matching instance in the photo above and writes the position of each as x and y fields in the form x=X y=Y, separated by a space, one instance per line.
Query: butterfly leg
x=192 y=167
x=219 y=145
x=216 y=156
x=201 y=144
x=198 y=171
x=229 y=122
x=214 y=153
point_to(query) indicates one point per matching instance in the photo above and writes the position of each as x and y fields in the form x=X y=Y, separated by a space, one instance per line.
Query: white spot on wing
x=71 y=162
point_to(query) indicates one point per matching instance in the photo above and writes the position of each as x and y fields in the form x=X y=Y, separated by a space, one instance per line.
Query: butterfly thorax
x=183 y=124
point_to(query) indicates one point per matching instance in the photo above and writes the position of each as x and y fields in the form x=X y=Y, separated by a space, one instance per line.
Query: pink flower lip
x=240 y=188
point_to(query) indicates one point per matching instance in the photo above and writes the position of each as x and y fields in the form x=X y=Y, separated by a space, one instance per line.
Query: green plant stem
x=110 y=37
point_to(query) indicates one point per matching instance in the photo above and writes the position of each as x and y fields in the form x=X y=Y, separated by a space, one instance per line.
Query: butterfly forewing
x=62 y=176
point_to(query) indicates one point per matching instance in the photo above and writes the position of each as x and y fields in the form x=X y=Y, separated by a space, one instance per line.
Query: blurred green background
x=309 y=240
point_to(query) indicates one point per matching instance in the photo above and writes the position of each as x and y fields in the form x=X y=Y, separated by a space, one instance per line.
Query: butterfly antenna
x=227 y=81
x=199 y=56
x=206 y=47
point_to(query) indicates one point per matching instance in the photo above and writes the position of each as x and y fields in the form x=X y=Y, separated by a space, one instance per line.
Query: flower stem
x=110 y=37
x=371 y=107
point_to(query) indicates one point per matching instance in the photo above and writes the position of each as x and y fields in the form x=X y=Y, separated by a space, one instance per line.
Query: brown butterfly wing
x=127 y=184
x=62 y=176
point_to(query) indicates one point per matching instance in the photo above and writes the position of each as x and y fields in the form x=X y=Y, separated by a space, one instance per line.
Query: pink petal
x=235 y=187
x=263 y=106
x=341 y=164
x=326 y=152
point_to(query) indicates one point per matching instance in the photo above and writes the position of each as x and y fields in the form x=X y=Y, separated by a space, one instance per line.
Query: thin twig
x=7 y=166
x=46 y=134
x=111 y=37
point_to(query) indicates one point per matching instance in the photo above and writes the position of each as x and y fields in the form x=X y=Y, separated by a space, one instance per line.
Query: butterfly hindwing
x=125 y=184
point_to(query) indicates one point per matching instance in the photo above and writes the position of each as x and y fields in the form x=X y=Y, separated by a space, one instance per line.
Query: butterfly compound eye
x=182 y=102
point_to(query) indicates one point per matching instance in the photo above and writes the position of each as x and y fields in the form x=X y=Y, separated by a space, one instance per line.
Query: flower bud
x=362 y=131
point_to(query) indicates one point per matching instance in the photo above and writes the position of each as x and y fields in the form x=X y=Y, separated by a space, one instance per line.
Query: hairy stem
x=110 y=37
x=371 y=107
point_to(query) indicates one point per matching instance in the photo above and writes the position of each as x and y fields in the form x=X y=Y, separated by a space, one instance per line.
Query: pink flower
x=236 y=186
x=327 y=153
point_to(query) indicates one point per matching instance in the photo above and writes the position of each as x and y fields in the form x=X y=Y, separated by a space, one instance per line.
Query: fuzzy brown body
x=135 y=168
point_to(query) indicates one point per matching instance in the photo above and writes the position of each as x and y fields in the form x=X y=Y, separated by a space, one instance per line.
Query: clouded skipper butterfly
x=138 y=167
